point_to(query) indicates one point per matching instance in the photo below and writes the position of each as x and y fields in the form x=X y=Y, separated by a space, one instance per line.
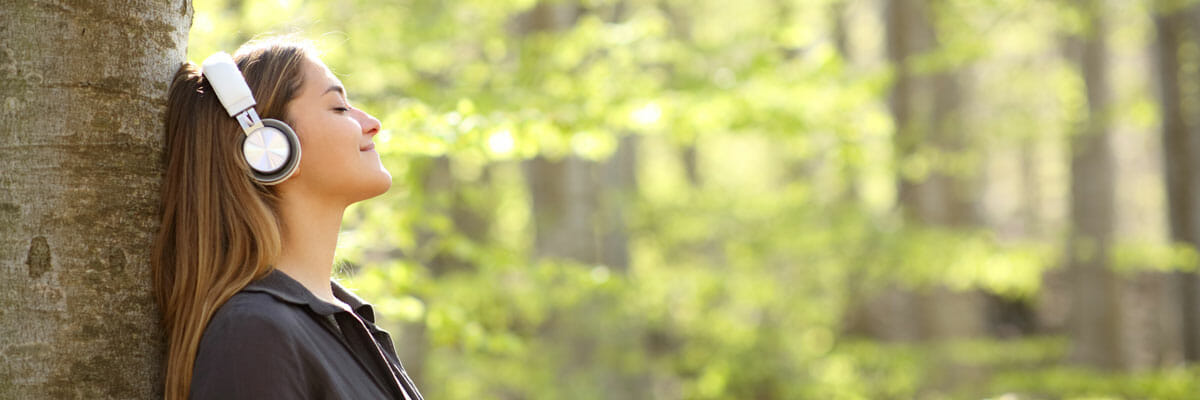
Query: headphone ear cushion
x=272 y=152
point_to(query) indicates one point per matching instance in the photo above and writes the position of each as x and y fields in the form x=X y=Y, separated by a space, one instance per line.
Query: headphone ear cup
x=272 y=152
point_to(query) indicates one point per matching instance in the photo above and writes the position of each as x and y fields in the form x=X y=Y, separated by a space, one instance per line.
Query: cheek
x=326 y=143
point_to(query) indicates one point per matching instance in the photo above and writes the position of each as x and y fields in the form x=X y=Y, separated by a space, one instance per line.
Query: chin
x=379 y=183
x=365 y=184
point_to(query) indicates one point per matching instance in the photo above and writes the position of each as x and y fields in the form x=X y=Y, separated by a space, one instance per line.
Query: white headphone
x=270 y=146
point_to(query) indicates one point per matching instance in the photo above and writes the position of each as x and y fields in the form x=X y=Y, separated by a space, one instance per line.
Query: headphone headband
x=223 y=74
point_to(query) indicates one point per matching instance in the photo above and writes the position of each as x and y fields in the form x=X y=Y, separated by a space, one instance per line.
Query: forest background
x=772 y=199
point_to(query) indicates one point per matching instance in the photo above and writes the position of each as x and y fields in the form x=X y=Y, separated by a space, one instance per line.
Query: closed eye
x=341 y=109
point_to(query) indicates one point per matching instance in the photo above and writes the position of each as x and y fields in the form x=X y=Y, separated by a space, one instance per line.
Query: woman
x=242 y=264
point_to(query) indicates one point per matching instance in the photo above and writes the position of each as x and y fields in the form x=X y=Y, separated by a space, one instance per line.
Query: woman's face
x=338 y=161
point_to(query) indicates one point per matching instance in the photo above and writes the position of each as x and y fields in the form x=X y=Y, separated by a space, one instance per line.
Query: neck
x=310 y=233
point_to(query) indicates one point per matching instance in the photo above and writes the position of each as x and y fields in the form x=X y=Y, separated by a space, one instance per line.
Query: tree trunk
x=841 y=35
x=1180 y=149
x=691 y=164
x=564 y=200
x=577 y=203
x=448 y=196
x=577 y=207
x=1094 y=322
x=443 y=196
x=619 y=180
x=84 y=87
x=925 y=108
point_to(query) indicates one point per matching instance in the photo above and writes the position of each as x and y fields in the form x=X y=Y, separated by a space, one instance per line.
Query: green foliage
x=743 y=261
x=1078 y=383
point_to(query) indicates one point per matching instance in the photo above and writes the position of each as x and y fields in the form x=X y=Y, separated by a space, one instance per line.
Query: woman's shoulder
x=250 y=350
x=250 y=315
x=248 y=303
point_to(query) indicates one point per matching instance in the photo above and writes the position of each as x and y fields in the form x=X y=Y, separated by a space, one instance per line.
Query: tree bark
x=925 y=110
x=578 y=212
x=565 y=199
x=577 y=203
x=1094 y=322
x=839 y=31
x=83 y=87
x=619 y=180
x=1180 y=149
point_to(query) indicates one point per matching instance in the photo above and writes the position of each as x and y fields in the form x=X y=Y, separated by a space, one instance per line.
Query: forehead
x=318 y=77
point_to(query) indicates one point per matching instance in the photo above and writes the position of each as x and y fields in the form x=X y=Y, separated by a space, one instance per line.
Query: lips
x=368 y=147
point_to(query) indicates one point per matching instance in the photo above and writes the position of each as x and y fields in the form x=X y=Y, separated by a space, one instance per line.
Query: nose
x=370 y=124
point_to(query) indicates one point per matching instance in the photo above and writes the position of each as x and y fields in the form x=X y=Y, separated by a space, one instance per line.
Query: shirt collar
x=360 y=307
x=281 y=286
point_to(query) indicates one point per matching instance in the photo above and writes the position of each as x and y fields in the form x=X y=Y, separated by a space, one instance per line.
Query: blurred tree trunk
x=1180 y=151
x=577 y=207
x=577 y=203
x=691 y=165
x=445 y=196
x=839 y=31
x=925 y=108
x=564 y=200
x=849 y=170
x=561 y=194
x=450 y=197
x=892 y=314
x=84 y=87
x=681 y=30
x=619 y=179
x=1094 y=322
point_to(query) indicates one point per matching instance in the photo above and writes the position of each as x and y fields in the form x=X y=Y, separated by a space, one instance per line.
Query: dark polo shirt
x=276 y=340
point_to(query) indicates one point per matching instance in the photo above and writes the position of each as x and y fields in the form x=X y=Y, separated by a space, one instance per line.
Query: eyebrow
x=335 y=88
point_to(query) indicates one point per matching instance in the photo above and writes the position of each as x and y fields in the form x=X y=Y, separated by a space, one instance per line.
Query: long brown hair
x=220 y=230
